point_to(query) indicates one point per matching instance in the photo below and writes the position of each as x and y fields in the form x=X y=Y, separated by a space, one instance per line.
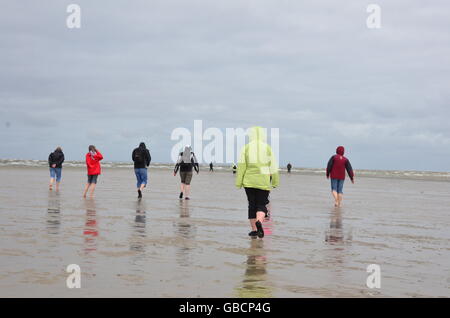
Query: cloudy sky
x=136 y=70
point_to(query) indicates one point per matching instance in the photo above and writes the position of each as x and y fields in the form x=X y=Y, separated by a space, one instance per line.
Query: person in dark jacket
x=211 y=167
x=141 y=158
x=337 y=165
x=289 y=167
x=55 y=161
x=185 y=163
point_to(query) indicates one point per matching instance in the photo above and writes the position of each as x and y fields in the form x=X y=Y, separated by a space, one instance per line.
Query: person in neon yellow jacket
x=257 y=172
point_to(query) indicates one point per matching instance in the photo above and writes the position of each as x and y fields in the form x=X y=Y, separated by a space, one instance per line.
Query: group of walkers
x=93 y=158
x=256 y=171
x=140 y=156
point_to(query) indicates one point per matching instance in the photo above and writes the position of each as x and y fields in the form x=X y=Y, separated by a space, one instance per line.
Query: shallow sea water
x=166 y=247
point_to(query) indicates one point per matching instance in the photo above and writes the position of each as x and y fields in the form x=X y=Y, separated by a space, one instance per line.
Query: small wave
x=424 y=175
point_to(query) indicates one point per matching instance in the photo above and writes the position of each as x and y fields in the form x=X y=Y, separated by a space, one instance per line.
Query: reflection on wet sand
x=53 y=213
x=335 y=238
x=139 y=234
x=185 y=231
x=254 y=283
x=309 y=254
x=90 y=231
x=335 y=233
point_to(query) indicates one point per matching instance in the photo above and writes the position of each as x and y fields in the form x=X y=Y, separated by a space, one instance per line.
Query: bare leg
x=93 y=185
x=142 y=187
x=187 y=189
x=182 y=188
x=260 y=216
x=86 y=188
x=259 y=220
x=57 y=186
x=253 y=224
x=51 y=183
x=336 y=198
x=340 y=197
x=269 y=209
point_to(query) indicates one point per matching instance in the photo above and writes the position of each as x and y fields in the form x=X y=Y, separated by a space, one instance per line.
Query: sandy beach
x=166 y=247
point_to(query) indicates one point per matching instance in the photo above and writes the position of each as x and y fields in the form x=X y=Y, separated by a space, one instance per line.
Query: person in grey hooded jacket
x=186 y=163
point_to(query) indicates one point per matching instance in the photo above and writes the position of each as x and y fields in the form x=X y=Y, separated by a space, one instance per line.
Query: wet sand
x=164 y=247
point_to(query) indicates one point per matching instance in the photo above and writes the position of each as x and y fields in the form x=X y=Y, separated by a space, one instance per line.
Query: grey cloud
x=136 y=70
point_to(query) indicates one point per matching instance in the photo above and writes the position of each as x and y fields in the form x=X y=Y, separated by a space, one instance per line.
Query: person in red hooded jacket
x=93 y=158
x=337 y=165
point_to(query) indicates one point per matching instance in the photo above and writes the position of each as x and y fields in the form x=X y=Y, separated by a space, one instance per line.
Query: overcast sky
x=136 y=70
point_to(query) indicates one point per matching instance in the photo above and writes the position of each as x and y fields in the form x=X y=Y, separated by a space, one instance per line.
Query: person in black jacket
x=55 y=161
x=186 y=161
x=141 y=158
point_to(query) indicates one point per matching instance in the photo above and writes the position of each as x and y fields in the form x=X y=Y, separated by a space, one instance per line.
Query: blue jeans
x=337 y=185
x=55 y=173
x=141 y=176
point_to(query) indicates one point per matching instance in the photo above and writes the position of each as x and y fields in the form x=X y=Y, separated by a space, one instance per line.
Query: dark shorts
x=257 y=201
x=186 y=177
x=92 y=178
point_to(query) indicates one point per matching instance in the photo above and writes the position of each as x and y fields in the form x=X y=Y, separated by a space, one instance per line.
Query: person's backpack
x=185 y=164
x=139 y=156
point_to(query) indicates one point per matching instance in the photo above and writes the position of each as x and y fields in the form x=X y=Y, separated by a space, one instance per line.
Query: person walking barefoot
x=93 y=158
x=55 y=161
x=185 y=163
x=257 y=172
x=141 y=158
x=337 y=165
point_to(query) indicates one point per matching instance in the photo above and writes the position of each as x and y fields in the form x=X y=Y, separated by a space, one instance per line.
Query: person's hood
x=187 y=154
x=257 y=133
x=340 y=150
x=142 y=145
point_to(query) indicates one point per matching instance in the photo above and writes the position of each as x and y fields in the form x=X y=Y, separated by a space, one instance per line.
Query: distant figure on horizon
x=93 y=158
x=141 y=158
x=337 y=165
x=186 y=161
x=211 y=167
x=234 y=168
x=289 y=167
x=257 y=172
x=55 y=161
